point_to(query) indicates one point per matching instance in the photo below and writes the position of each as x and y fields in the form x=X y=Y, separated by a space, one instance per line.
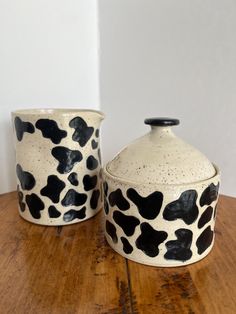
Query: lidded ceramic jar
x=160 y=199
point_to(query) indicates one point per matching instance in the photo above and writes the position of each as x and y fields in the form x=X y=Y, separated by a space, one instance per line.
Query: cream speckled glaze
x=58 y=164
x=160 y=199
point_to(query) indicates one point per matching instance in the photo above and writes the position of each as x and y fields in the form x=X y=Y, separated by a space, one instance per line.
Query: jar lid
x=161 y=157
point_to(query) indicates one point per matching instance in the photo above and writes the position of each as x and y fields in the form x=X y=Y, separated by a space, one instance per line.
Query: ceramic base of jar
x=156 y=264
x=160 y=225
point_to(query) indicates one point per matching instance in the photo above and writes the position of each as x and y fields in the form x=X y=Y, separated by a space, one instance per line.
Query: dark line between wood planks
x=58 y=231
x=133 y=311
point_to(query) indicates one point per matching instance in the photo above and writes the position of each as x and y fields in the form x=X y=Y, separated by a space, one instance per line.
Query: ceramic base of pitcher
x=59 y=223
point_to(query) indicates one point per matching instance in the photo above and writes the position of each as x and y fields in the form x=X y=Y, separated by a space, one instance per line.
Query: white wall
x=158 y=58
x=48 y=58
x=171 y=58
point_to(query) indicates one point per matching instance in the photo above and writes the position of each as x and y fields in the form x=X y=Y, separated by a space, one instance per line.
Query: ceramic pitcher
x=58 y=164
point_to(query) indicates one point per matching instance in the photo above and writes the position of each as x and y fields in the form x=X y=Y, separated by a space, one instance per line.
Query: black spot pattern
x=209 y=195
x=180 y=249
x=73 y=178
x=74 y=214
x=53 y=212
x=116 y=198
x=206 y=217
x=74 y=198
x=82 y=131
x=111 y=230
x=22 y=127
x=106 y=206
x=97 y=133
x=148 y=207
x=184 y=208
x=105 y=189
x=127 y=247
x=91 y=163
x=35 y=205
x=20 y=200
x=127 y=223
x=94 y=199
x=204 y=240
x=53 y=188
x=50 y=129
x=67 y=158
x=27 y=180
x=94 y=144
x=89 y=182
x=150 y=239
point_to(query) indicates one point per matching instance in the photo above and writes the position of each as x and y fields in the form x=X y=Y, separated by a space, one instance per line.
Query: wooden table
x=73 y=270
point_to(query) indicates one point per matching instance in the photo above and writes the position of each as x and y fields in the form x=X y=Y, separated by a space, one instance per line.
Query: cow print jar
x=58 y=164
x=160 y=198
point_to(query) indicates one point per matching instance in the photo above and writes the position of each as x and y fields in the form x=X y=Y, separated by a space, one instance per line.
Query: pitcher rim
x=61 y=111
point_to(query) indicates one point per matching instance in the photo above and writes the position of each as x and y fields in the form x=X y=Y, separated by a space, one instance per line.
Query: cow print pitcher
x=58 y=163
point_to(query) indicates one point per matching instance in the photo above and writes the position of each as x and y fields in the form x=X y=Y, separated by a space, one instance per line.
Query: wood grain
x=73 y=270
x=58 y=270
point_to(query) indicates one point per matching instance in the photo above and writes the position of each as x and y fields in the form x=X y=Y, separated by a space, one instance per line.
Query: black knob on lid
x=161 y=121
